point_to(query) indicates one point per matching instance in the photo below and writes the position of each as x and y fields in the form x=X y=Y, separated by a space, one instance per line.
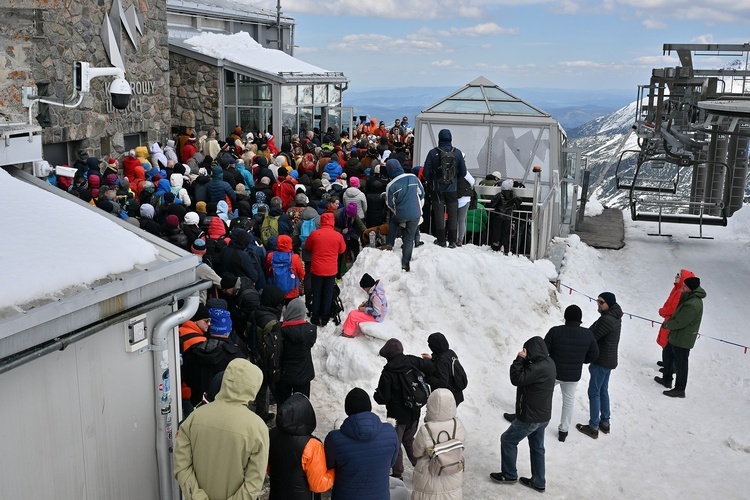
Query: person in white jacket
x=439 y=419
x=157 y=156
x=175 y=181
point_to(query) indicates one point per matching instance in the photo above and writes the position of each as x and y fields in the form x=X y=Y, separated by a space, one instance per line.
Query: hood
x=175 y=180
x=93 y=165
x=222 y=207
x=536 y=349
x=363 y=426
x=615 y=311
x=444 y=138
x=296 y=416
x=296 y=310
x=326 y=220
x=155 y=148
x=141 y=152
x=684 y=274
x=441 y=406
x=698 y=292
x=394 y=168
x=391 y=349
x=308 y=213
x=217 y=173
x=241 y=382
x=437 y=343
x=284 y=243
x=163 y=186
x=272 y=296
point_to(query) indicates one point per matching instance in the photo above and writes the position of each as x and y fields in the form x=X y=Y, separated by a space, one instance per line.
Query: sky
x=488 y=305
x=566 y=44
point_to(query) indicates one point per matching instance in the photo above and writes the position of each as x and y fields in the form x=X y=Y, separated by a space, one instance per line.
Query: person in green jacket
x=683 y=328
x=222 y=447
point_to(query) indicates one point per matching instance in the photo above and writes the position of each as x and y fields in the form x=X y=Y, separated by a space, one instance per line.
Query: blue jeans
x=407 y=236
x=598 y=395
x=509 y=449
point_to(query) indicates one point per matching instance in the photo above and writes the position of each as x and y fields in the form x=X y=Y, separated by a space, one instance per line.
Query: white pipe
x=163 y=384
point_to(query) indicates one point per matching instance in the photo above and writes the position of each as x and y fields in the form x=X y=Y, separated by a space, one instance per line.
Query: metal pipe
x=535 y=212
x=162 y=380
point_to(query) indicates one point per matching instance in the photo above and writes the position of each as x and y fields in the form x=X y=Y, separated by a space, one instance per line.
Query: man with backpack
x=238 y=260
x=404 y=392
x=449 y=373
x=308 y=222
x=443 y=167
x=270 y=347
x=284 y=268
x=275 y=223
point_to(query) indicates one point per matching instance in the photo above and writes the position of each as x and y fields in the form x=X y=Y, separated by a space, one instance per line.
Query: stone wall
x=39 y=47
x=195 y=94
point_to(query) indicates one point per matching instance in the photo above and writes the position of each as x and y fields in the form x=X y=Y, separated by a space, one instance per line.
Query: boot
x=585 y=429
x=561 y=436
x=510 y=417
x=674 y=393
x=663 y=381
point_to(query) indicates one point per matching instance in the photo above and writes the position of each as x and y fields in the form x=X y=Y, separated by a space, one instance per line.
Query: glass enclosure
x=247 y=102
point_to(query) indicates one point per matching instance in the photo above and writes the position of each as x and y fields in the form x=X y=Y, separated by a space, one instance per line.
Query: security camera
x=120 y=91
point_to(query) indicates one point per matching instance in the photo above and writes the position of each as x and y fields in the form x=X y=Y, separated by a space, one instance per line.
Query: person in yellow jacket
x=222 y=447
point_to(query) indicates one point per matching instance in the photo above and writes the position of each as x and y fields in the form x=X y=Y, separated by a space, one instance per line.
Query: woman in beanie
x=373 y=309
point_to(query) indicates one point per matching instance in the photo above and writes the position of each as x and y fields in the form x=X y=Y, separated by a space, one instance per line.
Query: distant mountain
x=571 y=108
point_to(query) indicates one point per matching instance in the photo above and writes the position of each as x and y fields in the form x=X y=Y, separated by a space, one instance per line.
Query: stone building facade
x=195 y=95
x=40 y=41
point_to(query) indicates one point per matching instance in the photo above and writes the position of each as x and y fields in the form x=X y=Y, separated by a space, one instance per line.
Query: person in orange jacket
x=297 y=461
x=667 y=310
x=284 y=251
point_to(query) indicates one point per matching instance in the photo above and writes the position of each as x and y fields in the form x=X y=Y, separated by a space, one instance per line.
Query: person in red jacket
x=297 y=268
x=325 y=246
x=667 y=310
x=129 y=163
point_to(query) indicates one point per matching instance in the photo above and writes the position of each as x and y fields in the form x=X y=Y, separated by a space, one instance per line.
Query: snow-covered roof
x=241 y=49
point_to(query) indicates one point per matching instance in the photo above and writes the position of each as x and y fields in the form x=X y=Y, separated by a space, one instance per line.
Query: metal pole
x=535 y=211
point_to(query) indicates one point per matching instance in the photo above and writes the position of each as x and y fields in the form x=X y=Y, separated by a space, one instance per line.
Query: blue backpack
x=281 y=272
x=308 y=226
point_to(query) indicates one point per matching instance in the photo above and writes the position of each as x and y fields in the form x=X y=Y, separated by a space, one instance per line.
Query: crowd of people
x=274 y=229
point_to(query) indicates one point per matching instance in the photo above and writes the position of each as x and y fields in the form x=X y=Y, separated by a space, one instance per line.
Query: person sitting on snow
x=373 y=309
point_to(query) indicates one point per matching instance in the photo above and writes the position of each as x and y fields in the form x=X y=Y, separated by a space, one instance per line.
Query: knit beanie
x=200 y=207
x=351 y=209
x=354 y=182
x=173 y=221
x=367 y=281
x=357 y=401
x=201 y=313
x=221 y=323
x=693 y=283
x=198 y=247
x=573 y=314
x=228 y=280
x=609 y=298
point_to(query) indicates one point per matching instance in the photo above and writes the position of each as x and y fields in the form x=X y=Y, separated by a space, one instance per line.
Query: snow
x=488 y=305
x=240 y=48
x=593 y=207
x=64 y=245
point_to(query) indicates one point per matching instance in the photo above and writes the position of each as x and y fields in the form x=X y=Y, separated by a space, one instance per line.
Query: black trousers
x=442 y=203
x=676 y=362
x=322 y=290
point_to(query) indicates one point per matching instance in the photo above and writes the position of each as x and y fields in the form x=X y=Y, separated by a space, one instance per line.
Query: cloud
x=567 y=7
x=711 y=11
x=484 y=29
x=708 y=38
x=383 y=43
x=443 y=64
x=580 y=64
x=636 y=63
x=653 y=24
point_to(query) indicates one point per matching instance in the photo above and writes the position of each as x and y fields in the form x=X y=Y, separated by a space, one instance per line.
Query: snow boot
x=663 y=381
x=527 y=482
x=585 y=429
x=561 y=436
x=674 y=393
x=604 y=427
x=498 y=476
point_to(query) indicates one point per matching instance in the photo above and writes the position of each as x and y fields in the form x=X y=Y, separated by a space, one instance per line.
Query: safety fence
x=653 y=321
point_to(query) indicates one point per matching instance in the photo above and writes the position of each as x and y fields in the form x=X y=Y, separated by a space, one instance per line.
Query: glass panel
x=334 y=120
x=288 y=95
x=230 y=121
x=256 y=119
x=320 y=94
x=317 y=116
x=566 y=202
x=230 y=88
x=496 y=93
x=334 y=94
x=305 y=94
x=305 y=120
x=253 y=92
x=289 y=124
x=469 y=93
x=458 y=106
x=513 y=107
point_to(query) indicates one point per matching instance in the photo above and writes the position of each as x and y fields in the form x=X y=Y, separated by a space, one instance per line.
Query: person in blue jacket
x=403 y=196
x=362 y=451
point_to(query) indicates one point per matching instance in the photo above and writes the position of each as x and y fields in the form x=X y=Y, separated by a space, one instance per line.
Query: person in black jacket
x=237 y=260
x=296 y=459
x=570 y=345
x=391 y=394
x=243 y=300
x=442 y=357
x=607 y=333
x=533 y=373
x=271 y=304
x=299 y=337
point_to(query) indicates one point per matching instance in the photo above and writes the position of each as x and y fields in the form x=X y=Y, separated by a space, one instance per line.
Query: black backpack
x=271 y=348
x=337 y=307
x=458 y=374
x=414 y=389
x=446 y=172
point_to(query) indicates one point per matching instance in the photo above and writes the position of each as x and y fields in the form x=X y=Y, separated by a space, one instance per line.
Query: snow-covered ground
x=487 y=305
